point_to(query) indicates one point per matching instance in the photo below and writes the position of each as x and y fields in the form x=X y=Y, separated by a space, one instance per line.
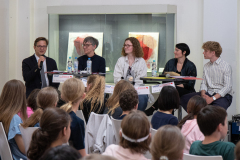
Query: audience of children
x=135 y=138
x=13 y=101
x=128 y=101
x=73 y=93
x=31 y=103
x=168 y=100
x=54 y=131
x=46 y=98
x=62 y=152
x=212 y=121
x=94 y=100
x=112 y=106
x=168 y=143
x=188 y=124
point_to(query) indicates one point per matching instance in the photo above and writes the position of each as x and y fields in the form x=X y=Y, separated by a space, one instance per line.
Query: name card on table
x=109 y=88
x=84 y=82
x=158 y=88
x=58 y=78
x=142 y=90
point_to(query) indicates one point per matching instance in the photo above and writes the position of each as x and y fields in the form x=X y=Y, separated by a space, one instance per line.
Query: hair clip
x=163 y=158
x=134 y=140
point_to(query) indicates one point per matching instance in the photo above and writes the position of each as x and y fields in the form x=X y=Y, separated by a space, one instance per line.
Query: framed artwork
x=74 y=39
x=149 y=43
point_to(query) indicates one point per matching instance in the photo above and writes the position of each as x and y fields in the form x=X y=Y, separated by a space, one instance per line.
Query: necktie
x=44 y=83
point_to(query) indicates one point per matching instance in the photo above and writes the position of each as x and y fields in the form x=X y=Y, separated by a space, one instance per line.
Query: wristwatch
x=214 y=98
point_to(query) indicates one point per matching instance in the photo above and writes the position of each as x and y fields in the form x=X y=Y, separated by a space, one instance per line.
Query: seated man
x=98 y=63
x=216 y=86
x=128 y=101
x=212 y=122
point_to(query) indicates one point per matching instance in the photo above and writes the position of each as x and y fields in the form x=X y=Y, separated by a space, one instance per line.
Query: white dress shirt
x=139 y=67
x=45 y=68
x=217 y=78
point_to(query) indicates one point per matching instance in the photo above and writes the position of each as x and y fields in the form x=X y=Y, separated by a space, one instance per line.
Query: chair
x=148 y=155
x=5 y=151
x=27 y=135
x=79 y=113
x=194 y=157
x=116 y=128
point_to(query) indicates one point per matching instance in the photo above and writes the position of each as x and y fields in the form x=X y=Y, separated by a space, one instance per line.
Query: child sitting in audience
x=188 y=124
x=135 y=138
x=168 y=143
x=112 y=106
x=12 y=101
x=31 y=103
x=54 y=131
x=73 y=93
x=212 y=121
x=237 y=151
x=128 y=101
x=94 y=100
x=168 y=100
x=46 y=98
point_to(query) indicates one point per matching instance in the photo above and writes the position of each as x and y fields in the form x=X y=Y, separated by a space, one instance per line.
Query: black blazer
x=31 y=73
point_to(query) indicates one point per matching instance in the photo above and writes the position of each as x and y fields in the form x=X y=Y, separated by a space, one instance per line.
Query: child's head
x=237 y=151
x=128 y=99
x=62 y=152
x=32 y=99
x=12 y=101
x=135 y=133
x=211 y=119
x=98 y=157
x=47 y=97
x=95 y=91
x=167 y=142
x=168 y=98
x=113 y=101
x=54 y=126
x=72 y=92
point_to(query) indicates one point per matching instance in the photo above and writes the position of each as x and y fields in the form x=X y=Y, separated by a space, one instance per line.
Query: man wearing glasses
x=35 y=66
x=98 y=63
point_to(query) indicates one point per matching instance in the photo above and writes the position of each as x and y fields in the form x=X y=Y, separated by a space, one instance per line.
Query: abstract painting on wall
x=74 y=43
x=149 y=44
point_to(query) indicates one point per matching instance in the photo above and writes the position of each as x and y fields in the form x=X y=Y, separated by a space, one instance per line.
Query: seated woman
x=168 y=100
x=112 y=105
x=184 y=67
x=54 y=131
x=94 y=100
x=131 y=66
x=188 y=124
x=12 y=101
x=46 y=98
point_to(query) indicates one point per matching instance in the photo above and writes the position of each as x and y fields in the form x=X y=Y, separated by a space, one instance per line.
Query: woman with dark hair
x=131 y=66
x=168 y=100
x=181 y=65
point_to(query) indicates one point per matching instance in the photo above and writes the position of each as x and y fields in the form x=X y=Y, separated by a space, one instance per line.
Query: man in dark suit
x=33 y=70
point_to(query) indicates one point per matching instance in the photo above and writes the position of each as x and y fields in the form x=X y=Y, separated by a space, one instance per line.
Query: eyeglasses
x=42 y=47
x=127 y=45
x=86 y=45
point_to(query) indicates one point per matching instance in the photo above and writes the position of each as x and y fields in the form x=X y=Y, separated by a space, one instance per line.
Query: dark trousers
x=224 y=102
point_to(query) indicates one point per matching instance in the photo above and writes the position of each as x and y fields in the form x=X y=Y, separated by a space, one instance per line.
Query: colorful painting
x=149 y=44
x=74 y=43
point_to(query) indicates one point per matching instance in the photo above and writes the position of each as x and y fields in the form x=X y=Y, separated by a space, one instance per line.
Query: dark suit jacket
x=31 y=73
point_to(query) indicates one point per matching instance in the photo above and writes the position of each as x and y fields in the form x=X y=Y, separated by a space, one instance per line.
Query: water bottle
x=154 y=69
x=76 y=66
x=89 y=66
x=69 y=65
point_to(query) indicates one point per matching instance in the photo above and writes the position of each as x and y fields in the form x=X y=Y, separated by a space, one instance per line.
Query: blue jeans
x=143 y=101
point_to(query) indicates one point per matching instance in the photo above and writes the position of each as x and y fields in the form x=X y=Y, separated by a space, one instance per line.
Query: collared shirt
x=139 y=67
x=217 y=78
x=45 y=68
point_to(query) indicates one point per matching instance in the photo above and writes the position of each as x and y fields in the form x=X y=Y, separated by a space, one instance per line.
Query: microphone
x=167 y=75
x=41 y=64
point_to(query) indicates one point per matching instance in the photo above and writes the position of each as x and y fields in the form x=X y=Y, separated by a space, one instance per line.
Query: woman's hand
x=180 y=85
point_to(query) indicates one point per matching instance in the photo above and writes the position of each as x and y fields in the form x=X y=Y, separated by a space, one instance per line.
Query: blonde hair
x=96 y=93
x=113 y=101
x=46 y=98
x=169 y=142
x=12 y=101
x=72 y=91
x=213 y=46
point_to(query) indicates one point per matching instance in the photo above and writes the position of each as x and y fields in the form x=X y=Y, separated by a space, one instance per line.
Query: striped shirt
x=217 y=78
